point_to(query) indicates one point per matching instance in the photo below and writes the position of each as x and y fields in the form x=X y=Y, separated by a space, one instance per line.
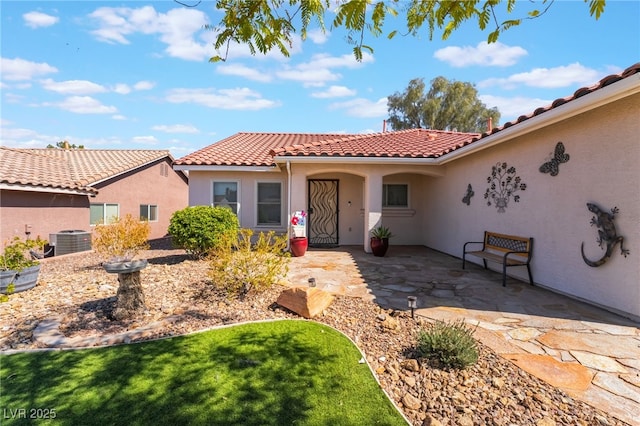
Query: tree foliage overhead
x=264 y=25
x=448 y=105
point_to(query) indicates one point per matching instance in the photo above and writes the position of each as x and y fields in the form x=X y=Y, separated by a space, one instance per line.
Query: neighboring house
x=45 y=191
x=442 y=189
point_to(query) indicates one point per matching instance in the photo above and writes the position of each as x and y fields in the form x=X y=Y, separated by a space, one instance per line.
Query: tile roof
x=260 y=149
x=249 y=149
x=412 y=143
x=74 y=170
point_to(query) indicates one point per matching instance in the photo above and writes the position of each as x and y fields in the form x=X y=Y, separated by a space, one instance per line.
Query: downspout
x=288 y=204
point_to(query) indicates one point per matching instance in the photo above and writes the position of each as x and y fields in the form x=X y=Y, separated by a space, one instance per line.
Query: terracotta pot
x=298 y=246
x=379 y=246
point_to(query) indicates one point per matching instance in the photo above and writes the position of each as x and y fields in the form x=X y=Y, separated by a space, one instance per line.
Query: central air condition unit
x=70 y=241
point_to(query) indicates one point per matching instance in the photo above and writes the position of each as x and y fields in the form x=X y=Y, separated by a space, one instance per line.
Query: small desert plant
x=381 y=232
x=122 y=239
x=200 y=229
x=241 y=266
x=16 y=254
x=451 y=344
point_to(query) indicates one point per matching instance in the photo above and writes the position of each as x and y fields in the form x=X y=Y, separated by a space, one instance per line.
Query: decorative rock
x=305 y=301
x=563 y=375
x=411 y=402
x=410 y=364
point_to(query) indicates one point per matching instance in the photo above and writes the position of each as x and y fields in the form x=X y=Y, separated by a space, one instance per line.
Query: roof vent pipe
x=384 y=126
x=490 y=125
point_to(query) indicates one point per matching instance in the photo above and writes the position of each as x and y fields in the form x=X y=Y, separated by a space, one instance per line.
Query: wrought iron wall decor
x=467 y=197
x=608 y=237
x=553 y=165
x=503 y=184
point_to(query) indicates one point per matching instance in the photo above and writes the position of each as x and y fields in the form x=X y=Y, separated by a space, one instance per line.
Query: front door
x=323 y=212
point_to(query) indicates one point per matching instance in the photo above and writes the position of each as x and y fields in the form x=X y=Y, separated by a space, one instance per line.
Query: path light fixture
x=412 y=302
x=312 y=282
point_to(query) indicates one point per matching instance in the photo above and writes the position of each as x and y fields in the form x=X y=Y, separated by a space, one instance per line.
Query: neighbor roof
x=74 y=170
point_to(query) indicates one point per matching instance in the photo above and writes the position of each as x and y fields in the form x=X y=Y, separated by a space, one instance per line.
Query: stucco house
x=532 y=177
x=46 y=191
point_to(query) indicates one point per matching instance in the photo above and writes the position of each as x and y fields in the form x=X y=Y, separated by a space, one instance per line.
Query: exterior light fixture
x=312 y=282
x=412 y=302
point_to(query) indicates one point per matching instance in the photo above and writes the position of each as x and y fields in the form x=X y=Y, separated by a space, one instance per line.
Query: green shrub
x=200 y=229
x=451 y=344
x=242 y=266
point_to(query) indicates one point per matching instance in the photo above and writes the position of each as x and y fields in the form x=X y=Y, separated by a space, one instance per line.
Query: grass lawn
x=273 y=373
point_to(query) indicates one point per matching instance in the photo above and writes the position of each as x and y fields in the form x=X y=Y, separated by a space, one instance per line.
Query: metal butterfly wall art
x=553 y=166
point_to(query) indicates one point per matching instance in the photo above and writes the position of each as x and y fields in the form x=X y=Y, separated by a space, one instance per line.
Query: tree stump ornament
x=130 y=298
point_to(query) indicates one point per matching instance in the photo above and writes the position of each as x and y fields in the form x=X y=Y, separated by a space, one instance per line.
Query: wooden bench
x=508 y=250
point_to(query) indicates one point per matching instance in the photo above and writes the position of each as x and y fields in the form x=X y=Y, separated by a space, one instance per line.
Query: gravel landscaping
x=77 y=291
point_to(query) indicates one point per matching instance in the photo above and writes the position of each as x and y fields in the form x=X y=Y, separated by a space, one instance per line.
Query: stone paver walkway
x=591 y=354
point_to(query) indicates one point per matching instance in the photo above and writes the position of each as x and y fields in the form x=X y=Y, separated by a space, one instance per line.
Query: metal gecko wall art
x=608 y=237
x=503 y=184
x=467 y=197
x=553 y=165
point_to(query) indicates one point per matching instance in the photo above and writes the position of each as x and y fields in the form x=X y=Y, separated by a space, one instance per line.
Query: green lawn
x=274 y=373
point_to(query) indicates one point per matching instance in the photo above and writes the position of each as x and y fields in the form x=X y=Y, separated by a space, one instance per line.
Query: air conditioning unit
x=70 y=241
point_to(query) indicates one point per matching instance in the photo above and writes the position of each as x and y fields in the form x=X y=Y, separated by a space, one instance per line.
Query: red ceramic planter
x=379 y=246
x=298 y=246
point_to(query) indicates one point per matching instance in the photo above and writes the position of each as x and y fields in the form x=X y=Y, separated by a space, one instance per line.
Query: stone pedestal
x=305 y=301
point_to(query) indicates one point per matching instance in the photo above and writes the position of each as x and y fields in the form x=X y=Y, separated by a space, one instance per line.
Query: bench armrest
x=528 y=253
x=464 y=248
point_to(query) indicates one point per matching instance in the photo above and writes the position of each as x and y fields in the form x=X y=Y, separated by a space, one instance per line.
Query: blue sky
x=135 y=75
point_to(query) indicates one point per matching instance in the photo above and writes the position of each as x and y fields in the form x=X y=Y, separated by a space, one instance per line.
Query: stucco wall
x=146 y=186
x=44 y=213
x=604 y=149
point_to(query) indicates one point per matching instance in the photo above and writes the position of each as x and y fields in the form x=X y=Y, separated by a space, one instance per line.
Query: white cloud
x=484 y=54
x=119 y=117
x=83 y=105
x=243 y=71
x=176 y=128
x=145 y=140
x=318 y=71
x=317 y=36
x=363 y=108
x=39 y=19
x=232 y=99
x=176 y=28
x=20 y=69
x=334 y=92
x=549 y=78
x=72 y=87
x=144 y=85
x=512 y=108
x=122 y=89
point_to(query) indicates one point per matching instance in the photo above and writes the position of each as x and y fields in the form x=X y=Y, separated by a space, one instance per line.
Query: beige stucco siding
x=604 y=149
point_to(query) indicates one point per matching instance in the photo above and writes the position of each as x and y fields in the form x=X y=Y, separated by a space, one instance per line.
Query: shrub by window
x=103 y=213
x=269 y=206
x=149 y=212
x=395 y=195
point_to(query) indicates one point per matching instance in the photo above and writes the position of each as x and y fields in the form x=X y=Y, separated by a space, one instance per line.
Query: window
x=395 y=195
x=226 y=194
x=103 y=213
x=269 y=203
x=149 y=212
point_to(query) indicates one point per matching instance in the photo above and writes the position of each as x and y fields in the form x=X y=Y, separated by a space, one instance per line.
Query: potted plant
x=18 y=271
x=119 y=242
x=380 y=240
x=298 y=243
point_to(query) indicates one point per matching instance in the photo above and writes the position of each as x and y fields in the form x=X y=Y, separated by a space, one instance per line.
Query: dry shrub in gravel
x=450 y=343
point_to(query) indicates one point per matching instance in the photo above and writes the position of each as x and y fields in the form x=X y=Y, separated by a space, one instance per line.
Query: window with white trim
x=269 y=204
x=149 y=212
x=395 y=195
x=225 y=194
x=103 y=213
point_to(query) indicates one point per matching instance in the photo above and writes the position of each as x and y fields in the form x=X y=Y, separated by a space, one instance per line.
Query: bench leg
x=530 y=276
x=463 y=254
x=504 y=275
x=485 y=263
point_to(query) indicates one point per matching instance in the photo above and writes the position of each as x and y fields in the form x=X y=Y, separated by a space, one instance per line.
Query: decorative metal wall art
x=502 y=185
x=553 y=165
x=467 y=197
x=608 y=237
